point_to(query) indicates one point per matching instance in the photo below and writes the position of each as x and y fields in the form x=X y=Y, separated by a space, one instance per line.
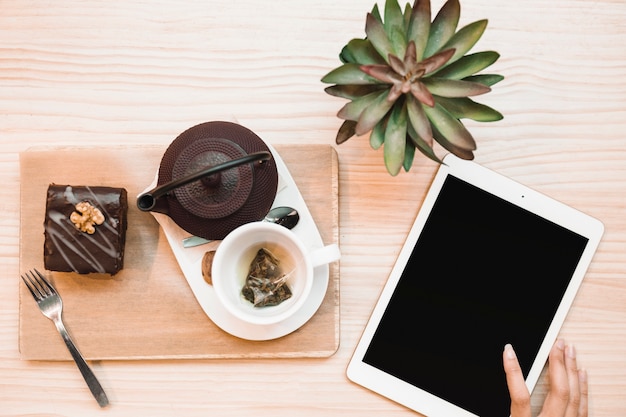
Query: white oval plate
x=190 y=260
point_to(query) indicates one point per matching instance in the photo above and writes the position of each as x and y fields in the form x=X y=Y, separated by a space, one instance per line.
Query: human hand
x=568 y=391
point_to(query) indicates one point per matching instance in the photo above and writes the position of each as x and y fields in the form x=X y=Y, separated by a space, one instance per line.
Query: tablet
x=487 y=262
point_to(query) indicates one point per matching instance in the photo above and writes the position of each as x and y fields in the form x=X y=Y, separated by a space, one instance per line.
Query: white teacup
x=232 y=261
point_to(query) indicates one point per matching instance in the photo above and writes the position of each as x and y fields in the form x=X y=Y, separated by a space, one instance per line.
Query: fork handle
x=85 y=370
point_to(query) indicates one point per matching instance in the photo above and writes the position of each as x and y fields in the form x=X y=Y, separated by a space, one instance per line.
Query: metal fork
x=51 y=306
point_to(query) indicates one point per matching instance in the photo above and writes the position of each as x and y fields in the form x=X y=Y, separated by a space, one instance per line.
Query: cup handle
x=325 y=255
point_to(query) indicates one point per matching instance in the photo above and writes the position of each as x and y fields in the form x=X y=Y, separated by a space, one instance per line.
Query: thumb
x=520 y=397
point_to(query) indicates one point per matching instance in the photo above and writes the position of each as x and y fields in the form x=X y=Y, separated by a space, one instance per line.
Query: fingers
x=583 y=410
x=558 y=397
x=568 y=394
x=568 y=391
x=520 y=397
x=573 y=405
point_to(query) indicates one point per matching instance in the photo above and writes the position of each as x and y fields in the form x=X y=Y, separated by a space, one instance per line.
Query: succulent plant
x=409 y=83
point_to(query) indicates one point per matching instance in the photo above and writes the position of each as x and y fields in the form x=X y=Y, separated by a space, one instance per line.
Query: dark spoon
x=284 y=216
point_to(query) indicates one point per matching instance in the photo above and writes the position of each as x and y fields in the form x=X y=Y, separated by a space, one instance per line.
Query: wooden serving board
x=147 y=310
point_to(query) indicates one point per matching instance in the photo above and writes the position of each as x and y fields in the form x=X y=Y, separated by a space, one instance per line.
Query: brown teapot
x=213 y=178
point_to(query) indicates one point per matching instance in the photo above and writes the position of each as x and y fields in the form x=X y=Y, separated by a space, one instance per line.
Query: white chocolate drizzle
x=88 y=247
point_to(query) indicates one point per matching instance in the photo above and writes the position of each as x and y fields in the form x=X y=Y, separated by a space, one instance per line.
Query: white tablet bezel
x=419 y=400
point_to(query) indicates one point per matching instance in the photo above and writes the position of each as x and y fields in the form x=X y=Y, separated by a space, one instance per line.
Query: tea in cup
x=263 y=273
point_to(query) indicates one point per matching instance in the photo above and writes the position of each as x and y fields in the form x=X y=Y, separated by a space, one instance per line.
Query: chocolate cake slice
x=85 y=229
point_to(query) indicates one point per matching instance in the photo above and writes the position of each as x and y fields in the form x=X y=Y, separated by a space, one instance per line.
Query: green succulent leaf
x=377 y=137
x=409 y=154
x=346 y=131
x=419 y=27
x=450 y=127
x=348 y=74
x=394 y=26
x=345 y=56
x=354 y=109
x=353 y=91
x=463 y=40
x=383 y=73
x=421 y=93
x=419 y=121
x=445 y=87
x=395 y=139
x=466 y=108
x=373 y=113
x=407 y=18
x=446 y=144
x=422 y=146
x=434 y=62
x=360 y=51
x=393 y=15
x=468 y=65
x=443 y=26
x=377 y=35
x=485 y=79
x=376 y=13
x=397 y=65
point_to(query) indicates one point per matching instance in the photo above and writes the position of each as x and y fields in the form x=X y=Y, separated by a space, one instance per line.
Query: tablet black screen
x=483 y=273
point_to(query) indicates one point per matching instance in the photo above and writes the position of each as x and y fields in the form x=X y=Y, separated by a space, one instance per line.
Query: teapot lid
x=214 y=206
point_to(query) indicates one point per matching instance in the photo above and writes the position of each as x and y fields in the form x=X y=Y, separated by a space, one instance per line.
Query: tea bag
x=266 y=282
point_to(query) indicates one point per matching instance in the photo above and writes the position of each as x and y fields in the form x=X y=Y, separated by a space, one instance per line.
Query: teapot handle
x=147 y=200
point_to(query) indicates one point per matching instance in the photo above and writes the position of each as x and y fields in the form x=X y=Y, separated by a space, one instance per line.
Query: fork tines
x=38 y=285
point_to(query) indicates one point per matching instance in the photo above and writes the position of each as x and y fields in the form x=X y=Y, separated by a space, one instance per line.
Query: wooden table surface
x=141 y=72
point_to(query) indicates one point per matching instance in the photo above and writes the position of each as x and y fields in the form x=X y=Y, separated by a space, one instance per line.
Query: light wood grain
x=139 y=73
